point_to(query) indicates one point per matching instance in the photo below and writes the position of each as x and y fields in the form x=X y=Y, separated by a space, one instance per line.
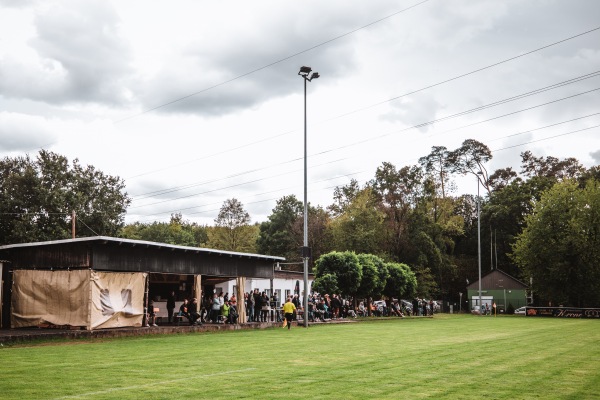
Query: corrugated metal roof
x=141 y=243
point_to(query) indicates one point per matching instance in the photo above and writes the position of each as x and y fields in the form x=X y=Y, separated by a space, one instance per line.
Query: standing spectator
x=424 y=303
x=415 y=309
x=335 y=306
x=170 y=306
x=257 y=305
x=233 y=313
x=296 y=302
x=288 y=309
x=265 y=309
x=151 y=314
x=215 y=309
x=249 y=306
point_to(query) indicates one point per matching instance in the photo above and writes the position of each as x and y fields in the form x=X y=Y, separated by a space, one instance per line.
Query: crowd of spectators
x=259 y=307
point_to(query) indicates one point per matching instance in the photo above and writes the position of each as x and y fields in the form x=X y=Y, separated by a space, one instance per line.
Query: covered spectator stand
x=104 y=282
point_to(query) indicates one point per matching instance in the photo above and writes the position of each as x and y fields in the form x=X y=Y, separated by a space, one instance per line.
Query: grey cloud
x=82 y=57
x=504 y=155
x=595 y=156
x=275 y=40
x=417 y=109
x=17 y=3
x=25 y=133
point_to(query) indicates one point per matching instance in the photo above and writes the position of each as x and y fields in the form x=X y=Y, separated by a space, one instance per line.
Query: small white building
x=284 y=283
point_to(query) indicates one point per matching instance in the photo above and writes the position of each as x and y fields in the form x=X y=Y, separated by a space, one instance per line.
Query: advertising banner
x=562 y=312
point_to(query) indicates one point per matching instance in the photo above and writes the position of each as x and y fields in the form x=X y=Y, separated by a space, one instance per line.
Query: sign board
x=562 y=312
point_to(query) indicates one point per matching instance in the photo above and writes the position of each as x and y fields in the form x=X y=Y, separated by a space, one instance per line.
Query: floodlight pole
x=305 y=73
x=479 y=245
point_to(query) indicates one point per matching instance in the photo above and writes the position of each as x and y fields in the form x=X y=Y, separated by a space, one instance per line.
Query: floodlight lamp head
x=314 y=75
x=304 y=71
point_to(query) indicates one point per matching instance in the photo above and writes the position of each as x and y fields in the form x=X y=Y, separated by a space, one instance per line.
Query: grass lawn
x=446 y=357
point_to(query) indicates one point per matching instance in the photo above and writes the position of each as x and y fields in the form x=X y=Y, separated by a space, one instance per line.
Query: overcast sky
x=196 y=102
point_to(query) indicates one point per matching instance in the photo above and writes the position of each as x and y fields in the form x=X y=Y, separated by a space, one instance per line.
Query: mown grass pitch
x=452 y=357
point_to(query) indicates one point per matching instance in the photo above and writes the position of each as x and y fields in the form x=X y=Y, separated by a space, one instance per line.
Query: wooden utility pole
x=73 y=217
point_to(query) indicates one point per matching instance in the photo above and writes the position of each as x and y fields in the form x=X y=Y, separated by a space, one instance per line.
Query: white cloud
x=68 y=69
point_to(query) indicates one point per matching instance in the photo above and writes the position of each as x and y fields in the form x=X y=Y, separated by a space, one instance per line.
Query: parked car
x=407 y=305
x=380 y=306
x=520 y=311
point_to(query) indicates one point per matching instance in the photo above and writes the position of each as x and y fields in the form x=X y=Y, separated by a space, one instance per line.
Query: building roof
x=497 y=279
x=115 y=254
x=140 y=243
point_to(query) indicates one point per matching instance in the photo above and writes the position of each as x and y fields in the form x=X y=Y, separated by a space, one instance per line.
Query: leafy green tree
x=397 y=192
x=232 y=230
x=360 y=227
x=176 y=231
x=551 y=167
x=471 y=158
x=343 y=196
x=371 y=284
x=277 y=236
x=437 y=165
x=37 y=198
x=401 y=283
x=327 y=283
x=560 y=245
x=345 y=266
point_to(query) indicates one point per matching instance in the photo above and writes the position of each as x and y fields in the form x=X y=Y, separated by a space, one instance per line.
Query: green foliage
x=177 y=231
x=359 y=228
x=277 y=236
x=233 y=231
x=327 y=283
x=560 y=245
x=401 y=283
x=371 y=284
x=345 y=266
x=37 y=198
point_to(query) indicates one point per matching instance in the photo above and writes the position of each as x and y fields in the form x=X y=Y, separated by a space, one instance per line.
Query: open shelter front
x=103 y=282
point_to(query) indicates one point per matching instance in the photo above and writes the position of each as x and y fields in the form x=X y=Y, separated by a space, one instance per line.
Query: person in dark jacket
x=257 y=305
x=170 y=306
x=193 y=310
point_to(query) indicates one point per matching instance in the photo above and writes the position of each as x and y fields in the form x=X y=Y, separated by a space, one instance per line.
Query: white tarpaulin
x=117 y=299
x=77 y=298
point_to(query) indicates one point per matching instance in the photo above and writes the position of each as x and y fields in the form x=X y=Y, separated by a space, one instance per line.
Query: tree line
x=540 y=222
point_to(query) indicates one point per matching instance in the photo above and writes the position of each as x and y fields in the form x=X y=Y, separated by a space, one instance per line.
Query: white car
x=520 y=311
x=476 y=310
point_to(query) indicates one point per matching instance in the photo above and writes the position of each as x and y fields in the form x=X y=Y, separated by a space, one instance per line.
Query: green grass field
x=446 y=357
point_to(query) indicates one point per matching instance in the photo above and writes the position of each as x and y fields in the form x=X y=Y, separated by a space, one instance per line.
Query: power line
x=371 y=139
x=493 y=151
x=548 y=138
x=355 y=173
x=272 y=63
x=496 y=103
x=375 y=104
x=252 y=202
x=465 y=74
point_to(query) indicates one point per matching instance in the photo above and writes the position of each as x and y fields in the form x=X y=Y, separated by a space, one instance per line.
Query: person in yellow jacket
x=288 y=310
